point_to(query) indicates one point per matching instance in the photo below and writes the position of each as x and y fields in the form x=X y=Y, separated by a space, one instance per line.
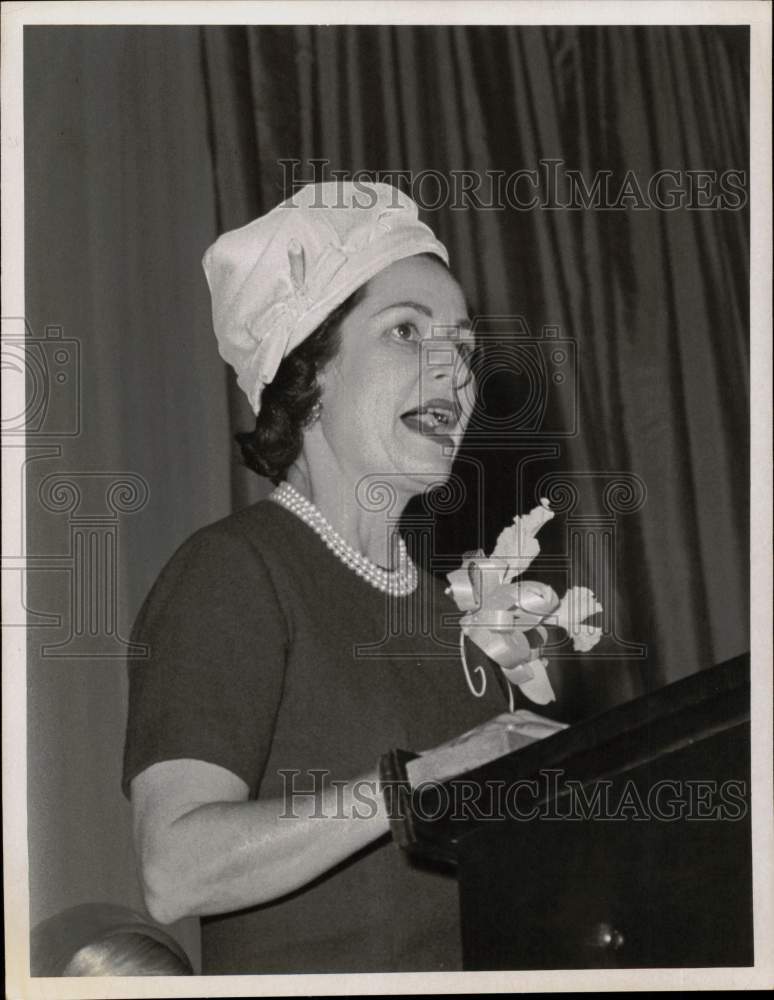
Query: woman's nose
x=443 y=363
x=440 y=359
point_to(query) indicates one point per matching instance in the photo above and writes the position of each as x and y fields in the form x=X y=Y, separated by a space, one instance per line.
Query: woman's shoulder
x=242 y=542
x=230 y=562
x=256 y=522
x=251 y=534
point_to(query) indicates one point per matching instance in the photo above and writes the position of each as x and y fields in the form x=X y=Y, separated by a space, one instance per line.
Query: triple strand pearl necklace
x=398 y=583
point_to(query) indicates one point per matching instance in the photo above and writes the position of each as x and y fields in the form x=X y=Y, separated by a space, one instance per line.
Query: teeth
x=433 y=418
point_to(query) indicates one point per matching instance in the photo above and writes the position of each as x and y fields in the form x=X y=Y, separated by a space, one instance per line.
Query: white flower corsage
x=507 y=620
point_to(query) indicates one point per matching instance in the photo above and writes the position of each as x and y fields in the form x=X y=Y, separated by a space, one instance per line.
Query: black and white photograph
x=386 y=442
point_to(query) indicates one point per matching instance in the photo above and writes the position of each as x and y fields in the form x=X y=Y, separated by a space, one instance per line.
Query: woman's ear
x=326 y=376
x=322 y=379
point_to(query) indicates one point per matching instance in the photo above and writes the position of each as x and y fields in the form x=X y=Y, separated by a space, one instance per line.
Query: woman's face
x=391 y=399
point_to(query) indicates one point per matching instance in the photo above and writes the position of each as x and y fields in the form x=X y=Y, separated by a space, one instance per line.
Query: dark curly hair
x=287 y=402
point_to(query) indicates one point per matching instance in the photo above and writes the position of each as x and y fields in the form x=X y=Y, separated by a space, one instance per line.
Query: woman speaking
x=255 y=721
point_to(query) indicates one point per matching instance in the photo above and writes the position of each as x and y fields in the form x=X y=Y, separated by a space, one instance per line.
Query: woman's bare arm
x=204 y=848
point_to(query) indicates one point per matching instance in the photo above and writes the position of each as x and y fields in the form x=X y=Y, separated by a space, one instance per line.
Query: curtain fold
x=656 y=301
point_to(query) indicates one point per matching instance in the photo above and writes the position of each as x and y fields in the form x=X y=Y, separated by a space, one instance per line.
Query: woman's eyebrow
x=399 y=305
x=464 y=323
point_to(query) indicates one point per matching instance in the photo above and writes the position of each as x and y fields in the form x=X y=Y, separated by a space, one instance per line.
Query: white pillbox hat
x=276 y=279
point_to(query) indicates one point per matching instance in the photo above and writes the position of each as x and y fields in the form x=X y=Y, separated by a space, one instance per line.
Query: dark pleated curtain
x=123 y=127
x=656 y=301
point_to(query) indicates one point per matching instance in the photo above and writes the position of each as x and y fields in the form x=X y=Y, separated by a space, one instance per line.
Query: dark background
x=142 y=144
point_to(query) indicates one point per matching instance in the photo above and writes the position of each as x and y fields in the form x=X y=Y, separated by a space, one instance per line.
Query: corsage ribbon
x=507 y=620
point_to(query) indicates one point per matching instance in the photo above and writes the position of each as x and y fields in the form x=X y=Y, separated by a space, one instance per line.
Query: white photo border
x=16 y=892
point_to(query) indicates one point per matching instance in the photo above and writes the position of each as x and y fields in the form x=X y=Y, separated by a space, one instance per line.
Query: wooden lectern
x=624 y=841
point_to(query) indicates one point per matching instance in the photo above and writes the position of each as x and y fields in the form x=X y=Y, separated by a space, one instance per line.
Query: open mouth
x=436 y=419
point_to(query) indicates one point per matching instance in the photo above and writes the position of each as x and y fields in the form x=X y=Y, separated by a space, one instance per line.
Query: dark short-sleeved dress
x=268 y=655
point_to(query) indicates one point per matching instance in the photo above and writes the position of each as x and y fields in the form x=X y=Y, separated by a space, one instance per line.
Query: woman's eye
x=405 y=331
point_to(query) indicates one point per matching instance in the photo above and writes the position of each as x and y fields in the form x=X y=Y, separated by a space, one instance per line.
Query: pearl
x=396 y=583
